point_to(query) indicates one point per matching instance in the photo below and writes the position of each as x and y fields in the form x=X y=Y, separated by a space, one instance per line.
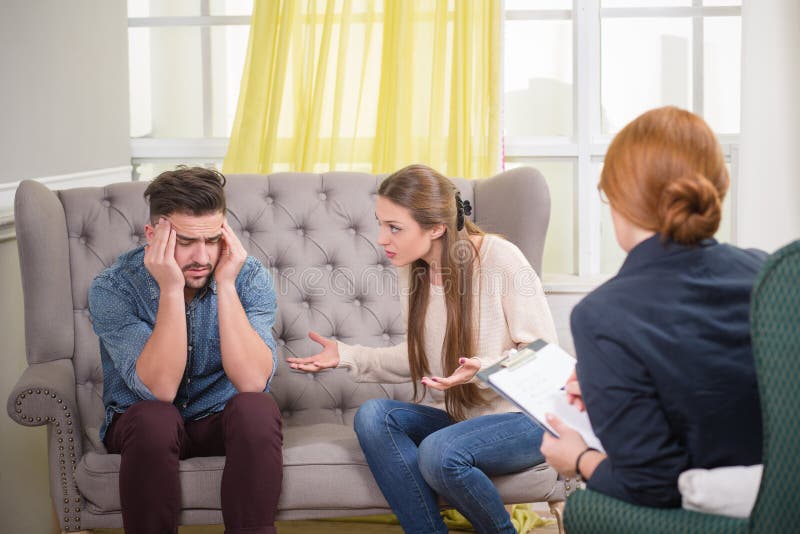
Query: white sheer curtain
x=768 y=195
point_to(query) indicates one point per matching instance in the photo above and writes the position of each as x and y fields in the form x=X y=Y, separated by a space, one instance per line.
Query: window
x=575 y=72
x=606 y=62
x=186 y=59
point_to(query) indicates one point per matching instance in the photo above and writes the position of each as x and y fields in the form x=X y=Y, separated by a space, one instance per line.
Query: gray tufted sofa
x=316 y=233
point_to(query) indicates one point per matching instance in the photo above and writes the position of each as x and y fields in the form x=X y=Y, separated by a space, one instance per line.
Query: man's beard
x=197 y=283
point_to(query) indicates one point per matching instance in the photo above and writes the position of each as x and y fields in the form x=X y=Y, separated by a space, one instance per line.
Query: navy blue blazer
x=666 y=367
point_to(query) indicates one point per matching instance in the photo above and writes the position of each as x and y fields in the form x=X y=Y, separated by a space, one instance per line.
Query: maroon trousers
x=152 y=436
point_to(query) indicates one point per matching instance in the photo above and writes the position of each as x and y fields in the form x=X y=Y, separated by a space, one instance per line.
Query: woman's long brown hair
x=431 y=200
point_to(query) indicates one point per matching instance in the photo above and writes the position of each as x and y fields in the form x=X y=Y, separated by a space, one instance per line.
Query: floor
x=333 y=527
x=313 y=527
x=304 y=527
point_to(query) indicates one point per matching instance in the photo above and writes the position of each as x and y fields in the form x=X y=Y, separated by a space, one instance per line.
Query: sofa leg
x=557 y=509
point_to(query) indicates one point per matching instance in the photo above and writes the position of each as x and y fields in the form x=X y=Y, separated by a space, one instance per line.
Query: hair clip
x=462 y=208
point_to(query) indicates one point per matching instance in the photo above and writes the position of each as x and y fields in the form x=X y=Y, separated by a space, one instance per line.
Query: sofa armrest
x=43 y=246
x=45 y=393
x=588 y=511
x=516 y=204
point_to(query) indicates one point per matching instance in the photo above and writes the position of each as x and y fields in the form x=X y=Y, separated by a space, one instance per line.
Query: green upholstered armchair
x=775 y=329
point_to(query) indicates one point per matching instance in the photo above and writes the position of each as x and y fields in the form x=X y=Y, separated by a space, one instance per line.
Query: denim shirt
x=123 y=302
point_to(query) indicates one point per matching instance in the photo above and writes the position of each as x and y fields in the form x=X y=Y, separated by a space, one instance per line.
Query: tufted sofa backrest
x=315 y=232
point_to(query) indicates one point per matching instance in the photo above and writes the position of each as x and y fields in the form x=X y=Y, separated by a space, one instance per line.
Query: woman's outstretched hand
x=325 y=359
x=462 y=375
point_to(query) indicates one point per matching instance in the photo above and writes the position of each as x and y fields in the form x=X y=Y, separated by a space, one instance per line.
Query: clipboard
x=532 y=379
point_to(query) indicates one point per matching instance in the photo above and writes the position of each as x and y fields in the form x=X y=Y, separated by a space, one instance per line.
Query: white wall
x=63 y=110
x=24 y=490
x=561 y=304
x=63 y=99
x=768 y=197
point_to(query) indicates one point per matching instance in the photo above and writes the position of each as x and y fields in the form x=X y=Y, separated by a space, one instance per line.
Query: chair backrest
x=315 y=232
x=775 y=327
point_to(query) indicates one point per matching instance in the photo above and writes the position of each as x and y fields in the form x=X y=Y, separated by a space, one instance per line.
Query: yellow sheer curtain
x=370 y=85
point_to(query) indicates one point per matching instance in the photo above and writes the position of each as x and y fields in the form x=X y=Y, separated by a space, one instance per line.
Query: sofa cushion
x=321 y=462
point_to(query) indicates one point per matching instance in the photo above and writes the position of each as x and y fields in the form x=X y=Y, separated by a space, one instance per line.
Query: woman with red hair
x=665 y=364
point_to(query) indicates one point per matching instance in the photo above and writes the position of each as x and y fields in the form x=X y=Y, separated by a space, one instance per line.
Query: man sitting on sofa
x=185 y=339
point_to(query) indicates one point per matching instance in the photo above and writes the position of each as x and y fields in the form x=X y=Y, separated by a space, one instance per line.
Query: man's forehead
x=197 y=225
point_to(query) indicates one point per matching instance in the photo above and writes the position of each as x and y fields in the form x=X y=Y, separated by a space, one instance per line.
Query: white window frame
x=207 y=150
x=586 y=149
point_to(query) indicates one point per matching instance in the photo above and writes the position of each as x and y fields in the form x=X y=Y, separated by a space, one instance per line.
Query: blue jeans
x=416 y=452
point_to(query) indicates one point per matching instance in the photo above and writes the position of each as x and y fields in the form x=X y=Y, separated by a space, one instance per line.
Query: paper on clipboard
x=533 y=379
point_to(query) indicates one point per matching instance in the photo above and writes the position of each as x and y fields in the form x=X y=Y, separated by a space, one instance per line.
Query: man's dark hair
x=192 y=190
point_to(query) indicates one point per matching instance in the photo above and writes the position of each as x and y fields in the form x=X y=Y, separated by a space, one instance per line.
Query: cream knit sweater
x=511 y=312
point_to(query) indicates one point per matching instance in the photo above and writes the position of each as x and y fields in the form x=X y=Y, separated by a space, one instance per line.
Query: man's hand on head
x=159 y=257
x=232 y=256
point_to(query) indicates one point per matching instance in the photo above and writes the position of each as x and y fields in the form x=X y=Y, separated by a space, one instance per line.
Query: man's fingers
x=160 y=239
x=169 y=251
x=232 y=242
x=226 y=241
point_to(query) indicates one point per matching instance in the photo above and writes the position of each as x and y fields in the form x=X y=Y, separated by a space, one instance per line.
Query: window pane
x=138 y=8
x=722 y=2
x=724 y=233
x=171 y=74
x=228 y=53
x=538 y=78
x=560 y=242
x=722 y=66
x=611 y=255
x=646 y=63
x=159 y=8
x=139 y=83
x=645 y=3
x=231 y=7
x=538 y=4
x=187 y=8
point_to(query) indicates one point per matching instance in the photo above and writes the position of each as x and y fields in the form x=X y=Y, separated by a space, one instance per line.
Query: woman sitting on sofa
x=665 y=365
x=471 y=297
